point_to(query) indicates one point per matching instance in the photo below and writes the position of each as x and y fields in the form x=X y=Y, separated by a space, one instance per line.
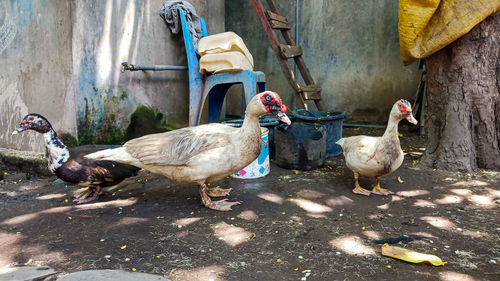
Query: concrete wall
x=64 y=58
x=350 y=47
x=107 y=33
x=35 y=52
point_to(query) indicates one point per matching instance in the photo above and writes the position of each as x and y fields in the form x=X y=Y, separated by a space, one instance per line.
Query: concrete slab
x=24 y=161
x=25 y=273
x=110 y=275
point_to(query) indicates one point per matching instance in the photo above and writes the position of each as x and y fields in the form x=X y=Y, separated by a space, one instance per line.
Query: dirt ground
x=291 y=225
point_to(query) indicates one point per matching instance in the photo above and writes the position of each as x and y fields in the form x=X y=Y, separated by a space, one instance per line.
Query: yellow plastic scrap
x=410 y=256
x=425 y=27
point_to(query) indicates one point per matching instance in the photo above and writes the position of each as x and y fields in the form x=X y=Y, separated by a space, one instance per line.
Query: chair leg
x=262 y=86
x=215 y=101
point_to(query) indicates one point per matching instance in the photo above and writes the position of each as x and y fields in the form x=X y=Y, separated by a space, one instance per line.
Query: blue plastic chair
x=214 y=87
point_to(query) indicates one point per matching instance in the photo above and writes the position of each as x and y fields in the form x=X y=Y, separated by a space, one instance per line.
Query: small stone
x=338 y=253
x=127 y=259
x=301 y=257
x=493 y=261
x=107 y=256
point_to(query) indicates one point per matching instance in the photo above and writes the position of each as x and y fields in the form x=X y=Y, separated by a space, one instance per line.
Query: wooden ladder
x=273 y=20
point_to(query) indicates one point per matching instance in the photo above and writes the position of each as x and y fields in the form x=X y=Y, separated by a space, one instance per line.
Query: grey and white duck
x=377 y=156
x=69 y=165
x=204 y=153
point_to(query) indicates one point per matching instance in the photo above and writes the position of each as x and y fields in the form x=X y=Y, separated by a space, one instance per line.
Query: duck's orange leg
x=379 y=190
x=221 y=205
x=357 y=188
x=90 y=194
x=217 y=191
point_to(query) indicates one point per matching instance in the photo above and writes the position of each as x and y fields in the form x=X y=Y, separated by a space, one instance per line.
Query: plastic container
x=259 y=167
x=300 y=146
x=224 y=62
x=268 y=121
x=223 y=43
x=333 y=123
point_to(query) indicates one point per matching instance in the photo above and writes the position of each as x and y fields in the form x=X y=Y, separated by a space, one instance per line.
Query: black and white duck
x=69 y=165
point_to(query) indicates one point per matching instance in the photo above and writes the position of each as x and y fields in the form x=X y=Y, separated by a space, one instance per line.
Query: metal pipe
x=132 y=67
x=363 y=125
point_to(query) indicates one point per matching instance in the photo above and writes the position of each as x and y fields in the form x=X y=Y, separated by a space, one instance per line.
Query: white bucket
x=260 y=166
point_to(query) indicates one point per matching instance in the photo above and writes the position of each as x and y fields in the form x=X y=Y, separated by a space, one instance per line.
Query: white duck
x=377 y=156
x=204 y=153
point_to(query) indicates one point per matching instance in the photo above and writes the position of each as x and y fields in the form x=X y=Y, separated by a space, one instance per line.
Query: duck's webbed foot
x=221 y=205
x=377 y=189
x=88 y=195
x=217 y=191
x=85 y=193
x=357 y=188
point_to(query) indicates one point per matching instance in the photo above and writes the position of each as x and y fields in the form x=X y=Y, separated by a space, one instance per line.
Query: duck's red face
x=34 y=122
x=273 y=104
x=405 y=108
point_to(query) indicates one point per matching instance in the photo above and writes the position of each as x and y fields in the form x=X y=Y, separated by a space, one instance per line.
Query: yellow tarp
x=427 y=26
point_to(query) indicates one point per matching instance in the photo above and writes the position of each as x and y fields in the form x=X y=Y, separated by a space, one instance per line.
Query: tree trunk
x=463 y=83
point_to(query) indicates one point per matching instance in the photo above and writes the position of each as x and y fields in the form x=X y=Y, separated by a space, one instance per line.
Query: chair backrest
x=192 y=57
x=196 y=81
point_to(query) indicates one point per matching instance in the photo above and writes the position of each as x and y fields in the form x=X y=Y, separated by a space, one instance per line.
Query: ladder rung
x=272 y=16
x=310 y=88
x=279 y=25
x=311 y=92
x=311 y=95
x=289 y=51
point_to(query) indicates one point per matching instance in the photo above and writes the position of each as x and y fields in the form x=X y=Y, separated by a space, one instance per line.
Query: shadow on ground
x=290 y=226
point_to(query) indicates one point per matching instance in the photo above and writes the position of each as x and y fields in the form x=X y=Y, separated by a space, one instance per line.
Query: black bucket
x=268 y=121
x=300 y=146
x=333 y=123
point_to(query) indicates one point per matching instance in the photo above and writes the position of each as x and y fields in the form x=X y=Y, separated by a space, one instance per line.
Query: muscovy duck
x=377 y=156
x=201 y=154
x=69 y=165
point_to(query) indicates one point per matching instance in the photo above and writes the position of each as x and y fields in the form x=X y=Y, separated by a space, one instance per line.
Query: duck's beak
x=19 y=130
x=283 y=117
x=410 y=118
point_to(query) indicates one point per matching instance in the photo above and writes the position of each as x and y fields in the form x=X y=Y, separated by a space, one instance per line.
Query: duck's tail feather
x=116 y=154
x=341 y=142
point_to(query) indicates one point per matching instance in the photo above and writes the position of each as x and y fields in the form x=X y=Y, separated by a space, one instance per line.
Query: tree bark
x=463 y=81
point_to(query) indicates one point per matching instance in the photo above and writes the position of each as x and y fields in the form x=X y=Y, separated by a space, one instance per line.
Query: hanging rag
x=169 y=12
